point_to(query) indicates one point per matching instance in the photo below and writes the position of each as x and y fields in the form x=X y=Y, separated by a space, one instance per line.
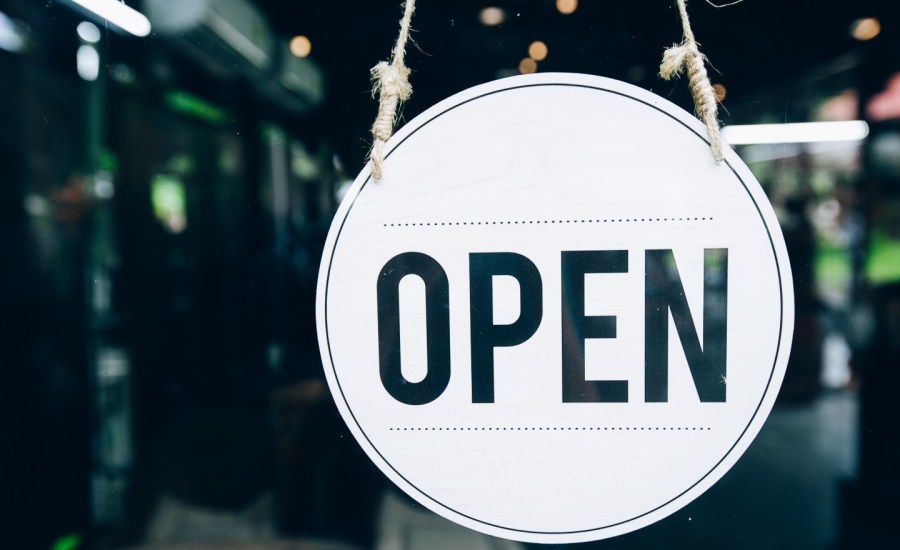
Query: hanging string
x=687 y=55
x=391 y=82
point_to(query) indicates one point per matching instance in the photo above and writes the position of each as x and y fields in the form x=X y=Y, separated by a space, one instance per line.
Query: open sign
x=555 y=319
x=664 y=296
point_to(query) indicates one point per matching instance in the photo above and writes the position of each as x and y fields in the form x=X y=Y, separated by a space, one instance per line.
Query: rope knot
x=687 y=56
x=392 y=80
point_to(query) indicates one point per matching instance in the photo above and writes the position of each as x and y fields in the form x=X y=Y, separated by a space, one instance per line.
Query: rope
x=687 y=55
x=391 y=82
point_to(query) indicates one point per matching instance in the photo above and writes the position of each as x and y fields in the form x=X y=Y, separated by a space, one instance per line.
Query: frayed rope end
x=673 y=61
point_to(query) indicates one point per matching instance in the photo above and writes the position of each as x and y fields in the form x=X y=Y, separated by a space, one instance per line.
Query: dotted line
x=559 y=429
x=548 y=222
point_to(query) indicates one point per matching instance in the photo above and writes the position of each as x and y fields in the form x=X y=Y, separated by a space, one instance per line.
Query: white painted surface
x=537 y=165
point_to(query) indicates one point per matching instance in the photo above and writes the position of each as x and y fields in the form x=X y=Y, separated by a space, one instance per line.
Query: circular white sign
x=556 y=318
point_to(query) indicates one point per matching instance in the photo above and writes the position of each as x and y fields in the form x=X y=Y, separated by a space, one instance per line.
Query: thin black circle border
x=673 y=499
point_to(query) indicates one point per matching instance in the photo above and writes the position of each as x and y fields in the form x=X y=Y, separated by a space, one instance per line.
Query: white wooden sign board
x=556 y=318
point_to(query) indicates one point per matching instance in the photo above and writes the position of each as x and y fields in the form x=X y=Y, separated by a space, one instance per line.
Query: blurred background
x=169 y=168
